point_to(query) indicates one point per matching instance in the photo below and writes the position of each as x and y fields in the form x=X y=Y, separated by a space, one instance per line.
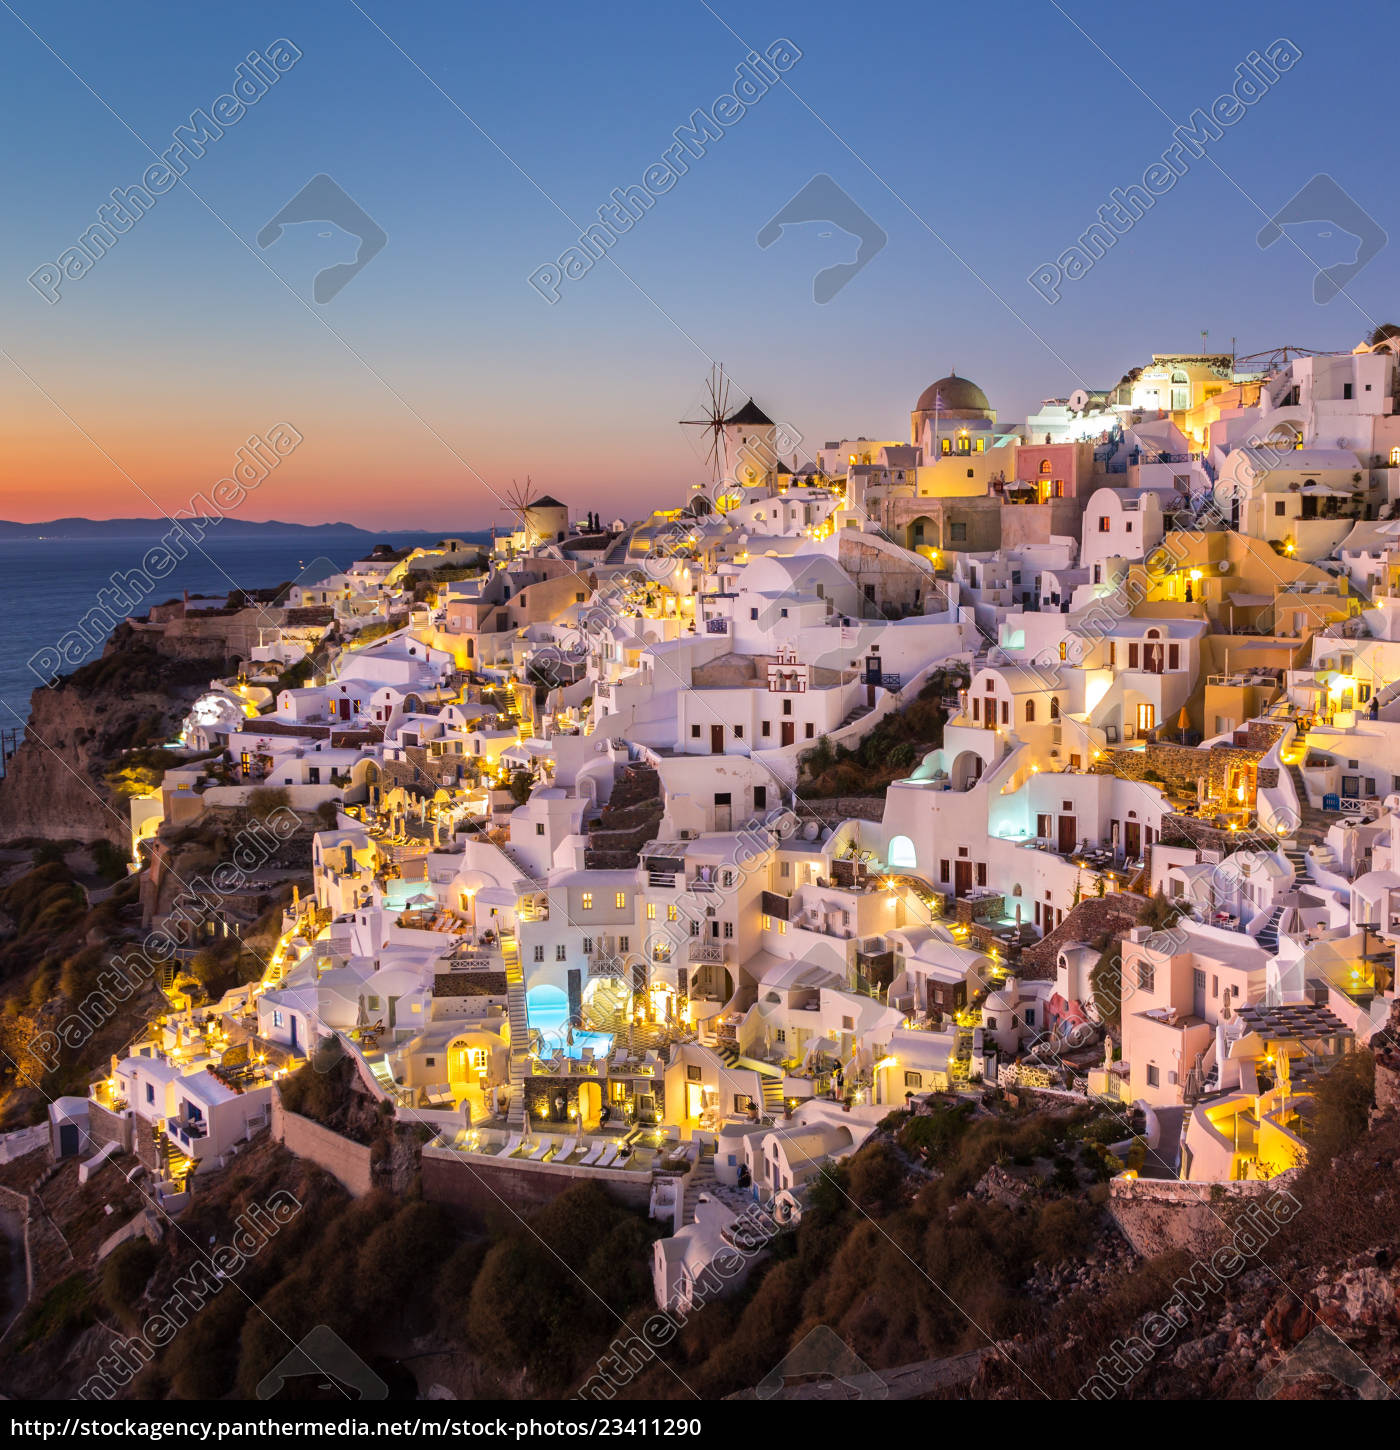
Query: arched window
x=1054 y=707
x=1030 y=712
x=902 y=853
x=1395 y=457
x=1045 y=465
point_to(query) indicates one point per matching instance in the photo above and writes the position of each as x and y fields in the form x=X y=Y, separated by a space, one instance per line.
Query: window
x=738 y=732
x=539 y=828
x=588 y=901
x=1030 y=712
x=560 y=955
x=808 y=730
x=430 y=1062
x=760 y=797
x=624 y=943
x=1146 y=975
x=588 y=946
x=1152 y=1075
x=913 y=1079
x=651 y=911
x=1054 y=707
x=767 y=923
x=1103 y=524
x=276 y=1022
x=787 y=707
x=1147 y=717
x=1278 y=508
x=848 y=1024
x=753 y=614
x=695 y=928
x=729 y=931
x=902 y=853
x=620 y=900
x=539 y=954
x=1045 y=465
x=1173 y=656
x=957 y=533
x=151 y=1092
x=767 y=728
x=1346 y=392
x=943 y=872
x=671 y=913
x=782 y=928
x=1132 y=656
x=695 y=732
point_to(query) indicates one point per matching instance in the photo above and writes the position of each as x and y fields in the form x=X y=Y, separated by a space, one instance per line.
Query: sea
x=48 y=585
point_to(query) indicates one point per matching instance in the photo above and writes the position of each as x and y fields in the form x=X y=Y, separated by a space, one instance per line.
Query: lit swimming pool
x=548 y=1009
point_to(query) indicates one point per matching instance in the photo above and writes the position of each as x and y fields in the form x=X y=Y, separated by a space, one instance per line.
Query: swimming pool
x=548 y=1010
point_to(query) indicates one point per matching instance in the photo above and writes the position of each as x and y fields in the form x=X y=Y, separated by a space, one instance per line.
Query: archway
x=590 y=1104
x=967 y=770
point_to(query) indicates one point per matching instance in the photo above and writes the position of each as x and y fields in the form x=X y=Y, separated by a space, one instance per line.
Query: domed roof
x=953 y=395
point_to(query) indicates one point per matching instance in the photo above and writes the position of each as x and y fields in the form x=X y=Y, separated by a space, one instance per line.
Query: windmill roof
x=751 y=414
x=547 y=502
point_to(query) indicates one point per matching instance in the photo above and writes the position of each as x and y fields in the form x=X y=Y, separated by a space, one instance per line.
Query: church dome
x=953 y=396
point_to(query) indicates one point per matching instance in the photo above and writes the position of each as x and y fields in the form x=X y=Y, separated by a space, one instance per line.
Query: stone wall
x=108 y=1127
x=1180 y=766
x=347 y=1162
x=1156 y=1215
x=844 y=808
x=1087 y=922
x=483 y=1188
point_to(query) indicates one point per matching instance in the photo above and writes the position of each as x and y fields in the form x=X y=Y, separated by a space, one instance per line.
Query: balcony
x=705 y=952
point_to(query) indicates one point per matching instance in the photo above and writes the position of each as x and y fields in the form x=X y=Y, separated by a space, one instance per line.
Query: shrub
x=126 y=1273
x=266 y=799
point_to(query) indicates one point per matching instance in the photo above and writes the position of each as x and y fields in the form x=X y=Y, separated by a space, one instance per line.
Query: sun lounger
x=512 y=1143
x=591 y=1157
x=609 y=1154
x=546 y=1144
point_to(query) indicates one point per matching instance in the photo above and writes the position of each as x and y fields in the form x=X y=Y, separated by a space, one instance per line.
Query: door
x=1198 y=993
x=724 y=812
x=716 y=739
x=962 y=878
x=67 y=1140
x=1069 y=834
x=1132 y=840
x=789 y=732
x=292 y=1023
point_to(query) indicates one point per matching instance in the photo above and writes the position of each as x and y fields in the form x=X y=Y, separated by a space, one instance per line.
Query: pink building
x=1055 y=470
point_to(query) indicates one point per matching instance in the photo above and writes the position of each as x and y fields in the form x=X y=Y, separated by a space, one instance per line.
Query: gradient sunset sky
x=981 y=138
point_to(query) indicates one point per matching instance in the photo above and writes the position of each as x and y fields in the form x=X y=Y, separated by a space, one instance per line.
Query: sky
x=479 y=141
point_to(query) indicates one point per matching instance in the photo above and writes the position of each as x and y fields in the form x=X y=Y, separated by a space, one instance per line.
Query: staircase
x=519 y=1033
x=1313 y=824
x=1297 y=859
x=1268 y=933
x=628 y=821
x=772 y=1085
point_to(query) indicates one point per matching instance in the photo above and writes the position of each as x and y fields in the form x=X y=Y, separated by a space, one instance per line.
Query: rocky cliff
x=135 y=695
